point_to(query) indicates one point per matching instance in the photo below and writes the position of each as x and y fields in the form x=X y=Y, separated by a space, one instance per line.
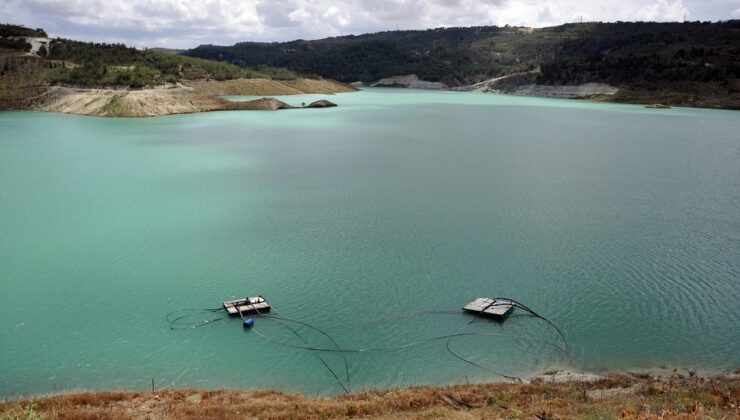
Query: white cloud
x=185 y=23
x=337 y=16
x=662 y=10
x=139 y=22
x=299 y=15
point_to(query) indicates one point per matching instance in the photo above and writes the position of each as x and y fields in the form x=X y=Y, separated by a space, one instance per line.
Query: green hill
x=87 y=64
x=638 y=56
x=8 y=30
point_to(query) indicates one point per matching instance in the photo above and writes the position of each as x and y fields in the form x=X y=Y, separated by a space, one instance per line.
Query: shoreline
x=554 y=394
x=552 y=375
x=622 y=96
x=191 y=97
x=525 y=84
x=183 y=98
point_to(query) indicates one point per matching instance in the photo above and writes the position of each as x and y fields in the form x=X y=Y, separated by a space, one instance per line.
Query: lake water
x=618 y=223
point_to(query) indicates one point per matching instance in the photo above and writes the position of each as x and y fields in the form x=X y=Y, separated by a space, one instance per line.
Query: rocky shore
x=683 y=394
x=706 y=95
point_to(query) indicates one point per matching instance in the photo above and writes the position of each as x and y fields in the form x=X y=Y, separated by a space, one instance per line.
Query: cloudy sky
x=188 y=23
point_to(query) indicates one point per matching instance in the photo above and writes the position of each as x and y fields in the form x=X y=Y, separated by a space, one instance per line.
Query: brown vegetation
x=255 y=87
x=707 y=95
x=320 y=86
x=260 y=87
x=615 y=396
x=19 y=77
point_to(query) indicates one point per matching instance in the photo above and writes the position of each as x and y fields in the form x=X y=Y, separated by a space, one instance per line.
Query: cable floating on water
x=497 y=307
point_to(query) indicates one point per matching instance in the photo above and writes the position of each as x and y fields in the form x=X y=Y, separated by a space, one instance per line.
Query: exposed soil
x=21 y=89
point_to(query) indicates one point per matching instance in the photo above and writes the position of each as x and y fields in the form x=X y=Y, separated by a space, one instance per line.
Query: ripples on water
x=620 y=224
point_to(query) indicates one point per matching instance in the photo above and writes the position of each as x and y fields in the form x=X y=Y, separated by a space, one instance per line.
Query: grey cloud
x=186 y=23
x=711 y=10
x=275 y=13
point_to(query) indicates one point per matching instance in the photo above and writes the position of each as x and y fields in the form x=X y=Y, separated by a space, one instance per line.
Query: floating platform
x=247 y=305
x=493 y=307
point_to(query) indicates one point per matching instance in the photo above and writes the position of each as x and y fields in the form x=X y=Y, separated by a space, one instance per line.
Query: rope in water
x=535 y=314
x=347 y=389
x=177 y=323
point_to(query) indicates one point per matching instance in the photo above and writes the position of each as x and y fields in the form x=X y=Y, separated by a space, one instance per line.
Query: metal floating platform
x=247 y=305
x=494 y=307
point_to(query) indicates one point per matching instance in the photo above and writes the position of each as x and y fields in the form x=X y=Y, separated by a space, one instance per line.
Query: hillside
x=97 y=65
x=61 y=75
x=690 y=63
x=61 y=61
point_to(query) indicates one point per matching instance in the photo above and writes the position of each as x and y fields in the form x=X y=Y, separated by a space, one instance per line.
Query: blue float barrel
x=248 y=323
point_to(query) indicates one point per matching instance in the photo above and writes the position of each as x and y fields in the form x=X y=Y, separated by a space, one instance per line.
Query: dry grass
x=257 y=87
x=322 y=86
x=267 y=87
x=639 y=396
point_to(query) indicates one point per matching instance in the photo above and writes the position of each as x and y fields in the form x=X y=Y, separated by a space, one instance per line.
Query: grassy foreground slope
x=615 y=396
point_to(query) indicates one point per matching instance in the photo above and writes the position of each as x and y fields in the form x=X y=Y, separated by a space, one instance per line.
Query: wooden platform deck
x=247 y=305
x=490 y=306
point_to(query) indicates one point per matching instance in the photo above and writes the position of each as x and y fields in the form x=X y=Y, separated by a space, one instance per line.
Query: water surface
x=620 y=224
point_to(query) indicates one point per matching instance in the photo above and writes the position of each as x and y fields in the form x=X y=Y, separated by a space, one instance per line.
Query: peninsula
x=58 y=75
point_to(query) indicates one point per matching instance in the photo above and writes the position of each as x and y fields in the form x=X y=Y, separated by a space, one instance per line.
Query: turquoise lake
x=619 y=224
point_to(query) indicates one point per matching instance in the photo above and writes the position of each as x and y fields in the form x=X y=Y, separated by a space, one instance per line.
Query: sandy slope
x=177 y=99
x=130 y=103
